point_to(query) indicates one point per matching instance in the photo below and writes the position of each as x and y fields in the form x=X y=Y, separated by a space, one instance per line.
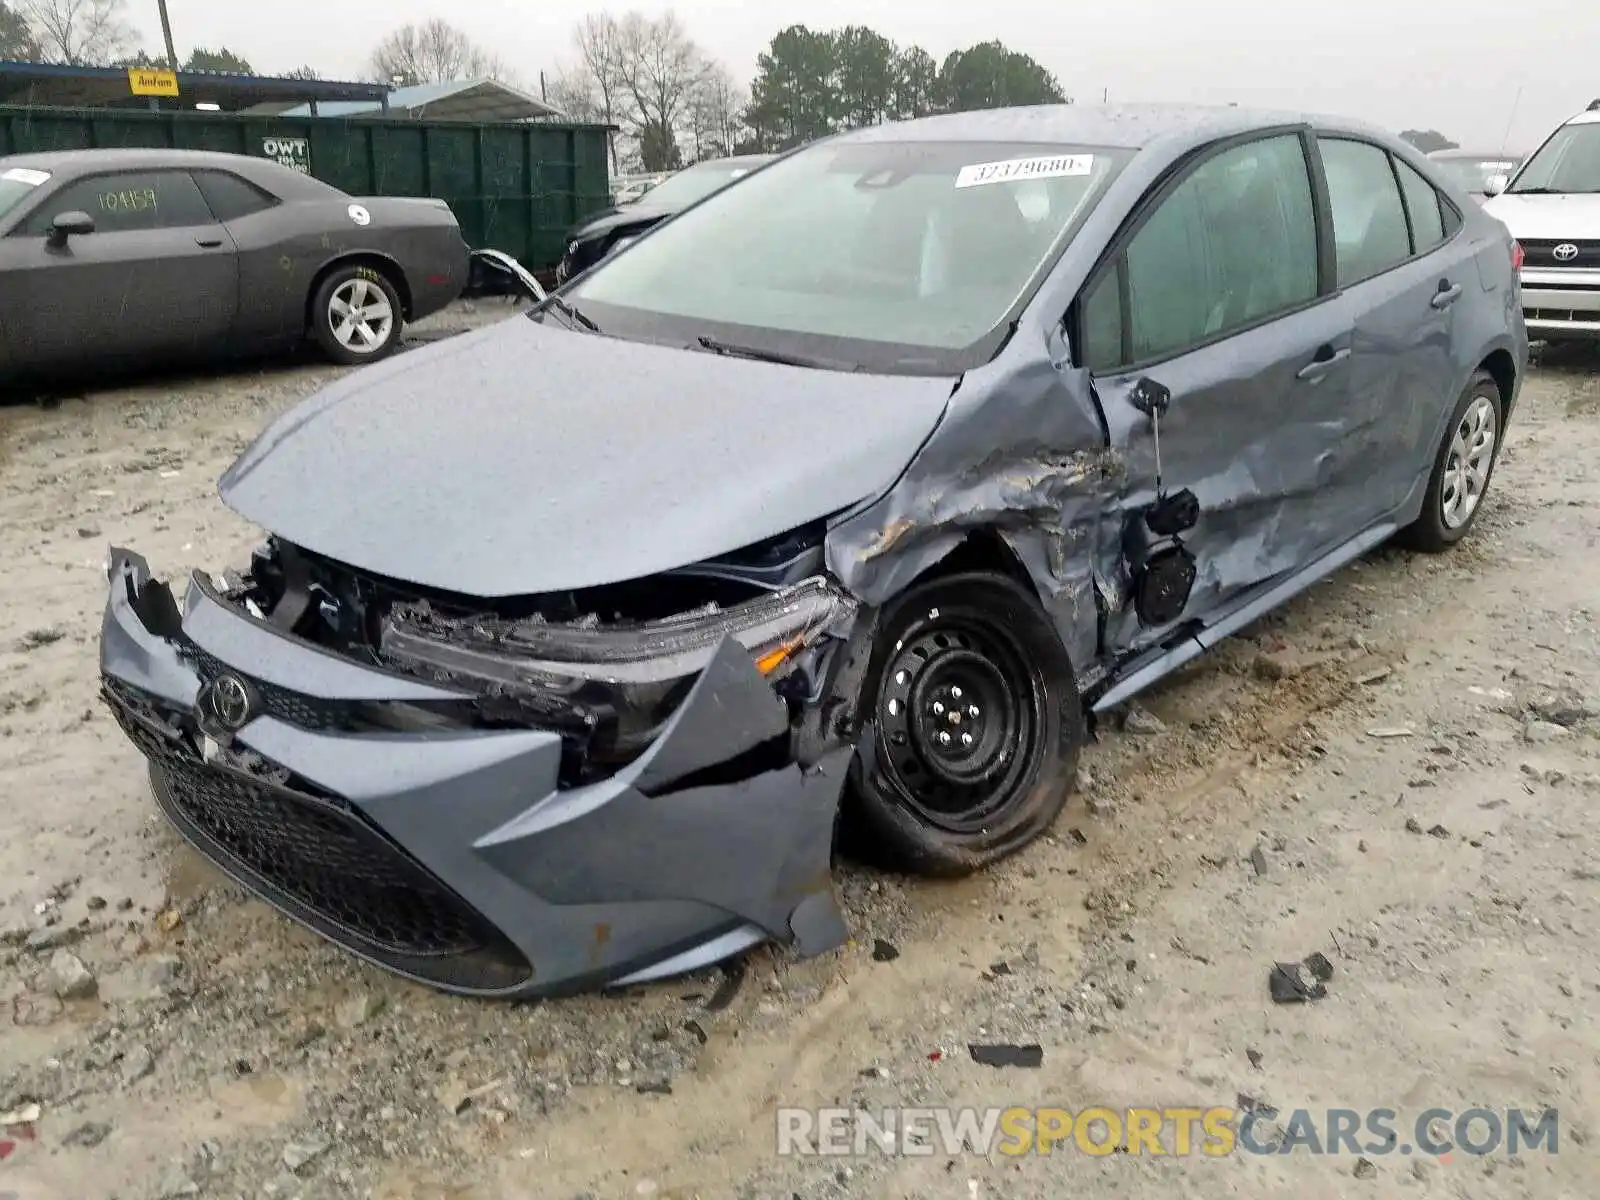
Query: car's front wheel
x=973 y=731
x=356 y=315
x=1462 y=469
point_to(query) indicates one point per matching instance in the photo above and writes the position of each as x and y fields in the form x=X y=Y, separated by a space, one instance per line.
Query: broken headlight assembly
x=617 y=682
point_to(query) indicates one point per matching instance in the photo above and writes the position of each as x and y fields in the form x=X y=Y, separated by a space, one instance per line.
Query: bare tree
x=576 y=96
x=715 y=106
x=661 y=67
x=432 y=51
x=598 y=39
x=80 y=32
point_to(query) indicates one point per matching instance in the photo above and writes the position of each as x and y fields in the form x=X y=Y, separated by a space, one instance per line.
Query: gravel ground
x=1399 y=772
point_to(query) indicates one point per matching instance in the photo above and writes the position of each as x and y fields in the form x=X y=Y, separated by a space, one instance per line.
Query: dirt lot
x=1399 y=772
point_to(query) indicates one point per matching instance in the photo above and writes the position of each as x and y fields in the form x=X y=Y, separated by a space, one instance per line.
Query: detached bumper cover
x=449 y=855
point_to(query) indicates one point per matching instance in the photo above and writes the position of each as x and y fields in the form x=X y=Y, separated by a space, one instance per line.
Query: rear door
x=1403 y=269
x=1218 y=292
x=157 y=278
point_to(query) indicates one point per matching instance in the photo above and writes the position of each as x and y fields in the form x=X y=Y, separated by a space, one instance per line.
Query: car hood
x=640 y=216
x=527 y=458
x=1575 y=216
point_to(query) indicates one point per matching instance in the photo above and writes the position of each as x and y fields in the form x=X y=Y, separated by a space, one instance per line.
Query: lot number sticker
x=1051 y=166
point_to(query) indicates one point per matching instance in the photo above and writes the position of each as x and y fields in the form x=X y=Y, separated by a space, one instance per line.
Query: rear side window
x=1233 y=244
x=231 y=197
x=1424 y=206
x=1369 y=220
x=127 y=202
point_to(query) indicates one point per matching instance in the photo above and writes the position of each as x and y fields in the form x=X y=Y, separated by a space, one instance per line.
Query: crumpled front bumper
x=450 y=856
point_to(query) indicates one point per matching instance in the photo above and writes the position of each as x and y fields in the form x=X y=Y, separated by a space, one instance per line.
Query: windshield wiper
x=771 y=356
x=569 y=310
x=1537 y=191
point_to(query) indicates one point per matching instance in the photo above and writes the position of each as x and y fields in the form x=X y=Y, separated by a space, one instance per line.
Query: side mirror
x=1495 y=184
x=1151 y=398
x=70 y=224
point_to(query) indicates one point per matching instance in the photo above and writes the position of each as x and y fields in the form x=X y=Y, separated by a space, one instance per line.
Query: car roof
x=1124 y=126
x=746 y=159
x=1475 y=155
x=68 y=163
x=1587 y=117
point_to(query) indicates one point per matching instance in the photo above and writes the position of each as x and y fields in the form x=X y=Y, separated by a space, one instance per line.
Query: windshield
x=17 y=184
x=1473 y=174
x=696 y=183
x=1568 y=162
x=895 y=256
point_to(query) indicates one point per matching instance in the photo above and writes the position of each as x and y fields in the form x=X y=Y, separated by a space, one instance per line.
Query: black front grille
x=318 y=859
x=1542 y=254
x=294 y=708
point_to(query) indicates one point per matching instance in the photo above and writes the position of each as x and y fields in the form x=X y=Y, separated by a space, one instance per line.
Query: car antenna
x=1515 y=101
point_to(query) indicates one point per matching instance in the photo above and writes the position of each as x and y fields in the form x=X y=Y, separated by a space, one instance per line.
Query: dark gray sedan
x=135 y=257
x=843 y=500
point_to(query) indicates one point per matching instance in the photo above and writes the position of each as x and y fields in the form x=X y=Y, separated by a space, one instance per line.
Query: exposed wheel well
x=983 y=550
x=386 y=267
x=1503 y=371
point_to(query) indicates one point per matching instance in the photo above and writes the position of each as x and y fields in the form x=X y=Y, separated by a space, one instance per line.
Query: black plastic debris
x=883 y=951
x=1255 y=1058
x=732 y=981
x=1297 y=983
x=1005 y=1054
x=658 y=1088
x=997 y=969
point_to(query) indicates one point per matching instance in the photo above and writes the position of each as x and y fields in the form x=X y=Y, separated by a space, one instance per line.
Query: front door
x=157 y=278
x=1217 y=296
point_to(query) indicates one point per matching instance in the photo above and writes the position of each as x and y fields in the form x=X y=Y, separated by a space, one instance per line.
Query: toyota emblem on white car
x=1565 y=252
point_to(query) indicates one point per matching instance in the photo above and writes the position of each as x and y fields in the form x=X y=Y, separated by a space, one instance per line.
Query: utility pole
x=166 y=32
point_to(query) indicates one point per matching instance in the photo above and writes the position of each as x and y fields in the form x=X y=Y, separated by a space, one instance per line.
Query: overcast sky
x=1452 y=65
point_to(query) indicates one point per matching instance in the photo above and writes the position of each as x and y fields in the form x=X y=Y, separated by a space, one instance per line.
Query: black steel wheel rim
x=961 y=715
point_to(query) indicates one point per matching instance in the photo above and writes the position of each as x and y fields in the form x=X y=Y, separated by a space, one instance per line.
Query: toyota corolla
x=846 y=498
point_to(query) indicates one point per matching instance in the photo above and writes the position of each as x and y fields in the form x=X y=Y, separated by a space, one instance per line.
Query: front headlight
x=620 y=680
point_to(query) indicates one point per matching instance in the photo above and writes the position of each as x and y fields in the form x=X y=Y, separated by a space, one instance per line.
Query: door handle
x=208 y=242
x=1447 y=294
x=1326 y=359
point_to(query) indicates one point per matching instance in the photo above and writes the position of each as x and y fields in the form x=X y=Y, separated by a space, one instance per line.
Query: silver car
x=846 y=499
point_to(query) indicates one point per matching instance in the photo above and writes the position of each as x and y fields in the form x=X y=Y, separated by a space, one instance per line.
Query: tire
x=367 y=341
x=1471 y=440
x=940 y=809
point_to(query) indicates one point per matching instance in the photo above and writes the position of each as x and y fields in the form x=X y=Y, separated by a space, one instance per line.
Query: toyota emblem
x=1565 y=252
x=228 y=699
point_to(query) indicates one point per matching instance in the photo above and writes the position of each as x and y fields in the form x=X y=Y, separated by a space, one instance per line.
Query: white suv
x=1552 y=207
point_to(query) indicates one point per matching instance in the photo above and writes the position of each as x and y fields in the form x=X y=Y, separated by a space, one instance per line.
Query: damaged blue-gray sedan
x=840 y=501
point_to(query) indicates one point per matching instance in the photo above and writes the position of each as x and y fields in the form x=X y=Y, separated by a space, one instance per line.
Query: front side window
x=17 y=184
x=1568 y=163
x=1369 y=219
x=1425 y=207
x=1230 y=246
x=127 y=202
x=888 y=255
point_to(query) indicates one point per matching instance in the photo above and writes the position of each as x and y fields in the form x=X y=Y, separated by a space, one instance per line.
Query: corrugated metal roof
x=475 y=100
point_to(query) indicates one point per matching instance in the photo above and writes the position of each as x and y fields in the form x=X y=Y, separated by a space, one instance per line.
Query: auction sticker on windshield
x=1050 y=166
x=26 y=175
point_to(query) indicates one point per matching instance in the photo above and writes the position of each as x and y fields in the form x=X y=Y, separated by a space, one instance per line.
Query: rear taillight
x=1517 y=256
